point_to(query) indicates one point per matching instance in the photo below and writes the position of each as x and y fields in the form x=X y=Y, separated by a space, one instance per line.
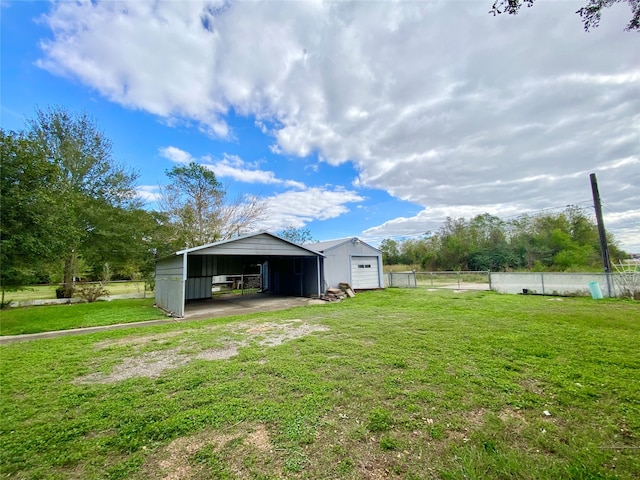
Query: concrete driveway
x=227 y=305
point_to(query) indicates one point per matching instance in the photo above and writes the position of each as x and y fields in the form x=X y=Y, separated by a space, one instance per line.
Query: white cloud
x=297 y=208
x=232 y=166
x=175 y=154
x=150 y=193
x=437 y=103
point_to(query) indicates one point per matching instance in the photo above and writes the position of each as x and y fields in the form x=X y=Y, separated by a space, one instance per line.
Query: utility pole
x=604 y=248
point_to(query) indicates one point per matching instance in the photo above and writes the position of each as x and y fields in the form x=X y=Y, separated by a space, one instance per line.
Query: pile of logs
x=337 y=294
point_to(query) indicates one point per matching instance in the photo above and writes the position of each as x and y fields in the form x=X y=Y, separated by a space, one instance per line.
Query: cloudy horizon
x=371 y=119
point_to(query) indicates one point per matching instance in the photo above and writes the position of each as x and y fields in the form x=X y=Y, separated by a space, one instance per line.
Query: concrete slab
x=227 y=305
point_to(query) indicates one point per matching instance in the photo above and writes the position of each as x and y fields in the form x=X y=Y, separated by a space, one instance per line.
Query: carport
x=283 y=267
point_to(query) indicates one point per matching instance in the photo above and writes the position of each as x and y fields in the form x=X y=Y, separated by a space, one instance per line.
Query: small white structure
x=350 y=260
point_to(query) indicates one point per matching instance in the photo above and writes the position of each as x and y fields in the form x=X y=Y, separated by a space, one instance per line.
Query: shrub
x=65 y=291
x=90 y=291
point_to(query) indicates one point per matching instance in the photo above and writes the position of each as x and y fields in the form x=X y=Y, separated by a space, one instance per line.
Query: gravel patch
x=152 y=364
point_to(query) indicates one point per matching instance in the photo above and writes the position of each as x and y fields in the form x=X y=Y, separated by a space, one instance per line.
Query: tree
x=28 y=223
x=301 y=236
x=591 y=13
x=90 y=190
x=390 y=251
x=198 y=210
x=563 y=241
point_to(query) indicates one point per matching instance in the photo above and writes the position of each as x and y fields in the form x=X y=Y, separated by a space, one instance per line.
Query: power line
x=613 y=210
x=547 y=209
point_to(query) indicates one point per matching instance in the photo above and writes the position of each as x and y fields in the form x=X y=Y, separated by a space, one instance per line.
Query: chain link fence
x=459 y=280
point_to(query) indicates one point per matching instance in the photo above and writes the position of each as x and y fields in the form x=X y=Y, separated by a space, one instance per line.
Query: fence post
x=489 y=275
x=542 y=280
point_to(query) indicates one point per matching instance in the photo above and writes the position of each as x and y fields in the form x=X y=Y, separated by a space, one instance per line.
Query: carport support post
x=184 y=283
x=318 y=268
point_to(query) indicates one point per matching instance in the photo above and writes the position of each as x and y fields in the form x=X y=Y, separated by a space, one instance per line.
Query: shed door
x=364 y=272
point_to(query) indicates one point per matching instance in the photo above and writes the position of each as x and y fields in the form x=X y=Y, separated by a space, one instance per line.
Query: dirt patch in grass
x=277 y=334
x=174 y=462
x=136 y=341
x=259 y=439
x=152 y=364
x=238 y=453
x=533 y=386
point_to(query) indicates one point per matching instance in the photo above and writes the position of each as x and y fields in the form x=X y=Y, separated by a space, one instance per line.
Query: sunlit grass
x=46 y=292
x=404 y=384
x=14 y=321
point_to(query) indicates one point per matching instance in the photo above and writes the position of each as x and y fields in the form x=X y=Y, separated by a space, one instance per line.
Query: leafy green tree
x=301 y=236
x=591 y=13
x=91 y=189
x=28 y=224
x=563 y=241
x=390 y=251
x=198 y=210
x=413 y=252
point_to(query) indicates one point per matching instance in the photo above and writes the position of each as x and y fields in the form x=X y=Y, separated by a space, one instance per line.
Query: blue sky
x=370 y=119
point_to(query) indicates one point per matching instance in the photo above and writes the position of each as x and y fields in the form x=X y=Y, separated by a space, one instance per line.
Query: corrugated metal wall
x=169 y=285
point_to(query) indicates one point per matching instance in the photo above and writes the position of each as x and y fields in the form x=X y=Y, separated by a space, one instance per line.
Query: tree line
x=564 y=241
x=70 y=212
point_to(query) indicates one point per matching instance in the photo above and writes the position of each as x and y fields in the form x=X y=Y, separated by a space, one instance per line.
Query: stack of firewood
x=337 y=294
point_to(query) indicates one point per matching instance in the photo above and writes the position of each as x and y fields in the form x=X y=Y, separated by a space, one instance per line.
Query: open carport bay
x=282 y=268
x=234 y=304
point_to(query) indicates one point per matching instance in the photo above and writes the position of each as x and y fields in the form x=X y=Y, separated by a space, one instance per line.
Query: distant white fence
x=64 y=301
x=461 y=280
x=535 y=283
x=400 y=279
x=551 y=283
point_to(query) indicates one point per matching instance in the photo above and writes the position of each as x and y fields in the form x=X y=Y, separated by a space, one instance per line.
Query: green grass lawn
x=16 y=321
x=405 y=384
x=46 y=292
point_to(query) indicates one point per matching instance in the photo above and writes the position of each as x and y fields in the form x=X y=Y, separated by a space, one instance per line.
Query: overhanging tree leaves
x=198 y=210
x=591 y=13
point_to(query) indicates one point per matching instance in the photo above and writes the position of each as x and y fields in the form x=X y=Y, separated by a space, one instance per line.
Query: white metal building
x=286 y=268
x=352 y=261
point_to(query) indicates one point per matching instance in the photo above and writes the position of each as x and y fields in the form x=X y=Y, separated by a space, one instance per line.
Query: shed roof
x=330 y=244
x=244 y=237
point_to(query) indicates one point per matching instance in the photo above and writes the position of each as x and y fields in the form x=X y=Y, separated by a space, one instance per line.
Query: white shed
x=350 y=260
